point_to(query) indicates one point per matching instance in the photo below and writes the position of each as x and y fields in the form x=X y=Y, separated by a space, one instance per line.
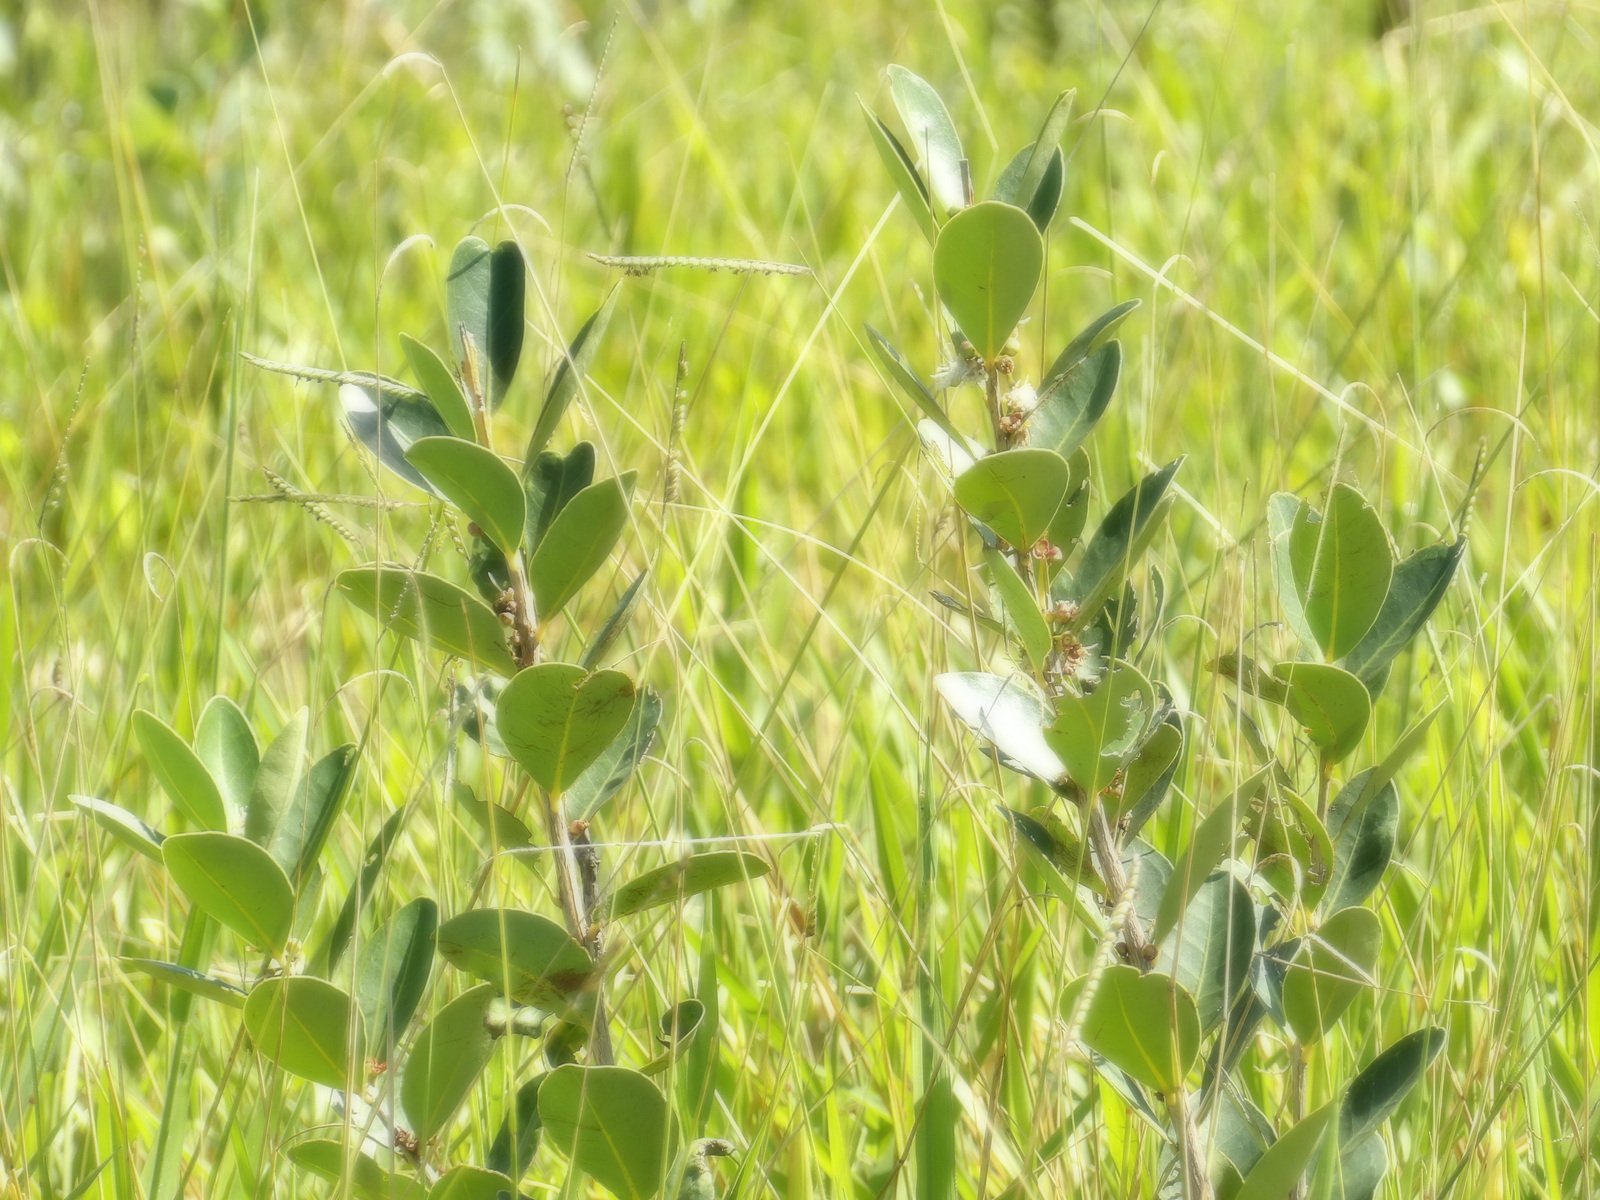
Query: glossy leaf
x=1009 y=714
x=902 y=172
x=388 y=425
x=549 y=482
x=534 y=960
x=439 y=384
x=578 y=542
x=225 y=744
x=308 y=1027
x=1071 y=404
x=1375 y=1094
x=1333 y=967
x=556 y=719
x=1340 y=564
x=1144 y=1024
x=1123 y=536
x=234 y=881
x=986 y=266
x=392 y=973
x=1094 y=735
x=612 y=1123
x=1280 y=1169
x=1015 y=492
x=1419 y=583
x=434 y=611
x=182 y=775
x=507 y=286
x=930 y=135
x=1329 y=703
x=476 y=481
x=122 y=825
x=186 y=979
x=687 y=877
x=615 y=765
x=568 y=377
x=446 y=1059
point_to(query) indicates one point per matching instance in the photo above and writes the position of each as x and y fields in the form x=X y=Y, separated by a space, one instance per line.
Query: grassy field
x=1364 y=252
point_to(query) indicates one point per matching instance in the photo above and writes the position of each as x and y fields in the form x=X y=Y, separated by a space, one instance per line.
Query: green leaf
x=1149 y=774
x=484 y=299
x=514 y=1146
x=1145 y=1025
x=439 y=383
x=1047 y=146
x=1124 y=534
x=612 y=1123
x=1087 y=339
x=467 y=1182
x=910 y=383
x=1070 y=404
x=569 y=375
x=1279 y=1170
x=434 y=611
x=1008 y=713
x=467 y=298
x=392 y=973
x=507 y=286
x=224 y=743
x=578 y=542
x=549 y=482
x=303 y=830
x=1207 y=848
x=188 y=980
x=388 y=425
x=1329 y=702
x=446 y=1059
x=556 y=719
x=235 y=881
x=1419 y=583
x=1060 y=857
x=308 y=1027
x=1341 y=565
x=1210 y=948
x=1355 y=1172
x=1015 y=493
x=902 y=171
x=275 y=781
x=687 y=877
x=184 y=777
x=931 y=135
x=1041 y=200
x=1364 y=831
x=1094 y=735
x=530 y=957
x=502 y=827
x=1333 y=966
x=350 y=1167
x=1024 y=621
x=1375 y=1094
x=615 y=765
x=615 y=623
x=476 y=481
x=122 y=825
x=986 y=266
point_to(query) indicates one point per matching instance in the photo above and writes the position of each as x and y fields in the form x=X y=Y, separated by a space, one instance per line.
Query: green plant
x=1261 y=918
x=348 y=1014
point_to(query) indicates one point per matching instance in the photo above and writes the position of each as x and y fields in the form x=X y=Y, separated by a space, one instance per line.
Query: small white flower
x=956 y=372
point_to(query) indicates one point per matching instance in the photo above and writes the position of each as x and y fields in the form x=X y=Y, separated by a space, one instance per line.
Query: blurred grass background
x=1366 y=242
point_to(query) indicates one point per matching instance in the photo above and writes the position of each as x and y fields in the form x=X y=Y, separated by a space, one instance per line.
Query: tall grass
x=1361 y=251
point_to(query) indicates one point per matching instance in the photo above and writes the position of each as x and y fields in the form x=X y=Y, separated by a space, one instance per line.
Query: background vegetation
x=1366 y=246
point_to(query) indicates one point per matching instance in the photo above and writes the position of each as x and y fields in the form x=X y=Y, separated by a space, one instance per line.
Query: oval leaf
x=1009 y=714
x=1332 y=968
x=122 y=825
x=931 y=135
x=1417 y=586
x=687 y=877
x=227 y=747
x=1329 y=702
x=1375 y=1094
x=1280 y=1169
x=446 y=1060
x=388 y=425
x=308 y=1027
x=1123 y=536
x=467 y=1182
x=569 y=375
x=234 y=881
x=1341 y=565
x=612 y=1123
x=578 y=542
x=1144 y=1024
x=532 y=958
x=434 y=611
x=902 y=171
x=349 y=1167
x=986 y=265
x=186 y=979
x=476 y=481
x=439 y=383
x=392 y=973
x=615 y=765
x=1016 y=492
x=1095 y=735
x=556 y=719
x=184 y=777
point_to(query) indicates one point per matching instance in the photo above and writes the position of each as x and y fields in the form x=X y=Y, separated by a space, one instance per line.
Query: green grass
x=1364 y=255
